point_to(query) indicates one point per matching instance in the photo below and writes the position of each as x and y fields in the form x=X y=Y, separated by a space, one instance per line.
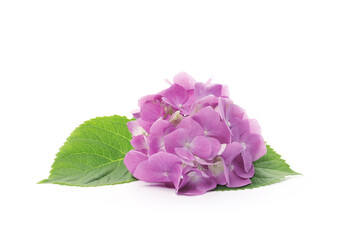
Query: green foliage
x=93 y=154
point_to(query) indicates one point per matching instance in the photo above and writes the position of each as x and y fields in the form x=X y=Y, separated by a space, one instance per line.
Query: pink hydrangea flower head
x=192 y=137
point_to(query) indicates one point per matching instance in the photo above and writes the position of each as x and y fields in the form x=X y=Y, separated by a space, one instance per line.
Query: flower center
x=217 y=168
x=193 y=176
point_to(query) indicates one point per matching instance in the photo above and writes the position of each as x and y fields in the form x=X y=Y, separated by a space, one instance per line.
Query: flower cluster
x=192 y=137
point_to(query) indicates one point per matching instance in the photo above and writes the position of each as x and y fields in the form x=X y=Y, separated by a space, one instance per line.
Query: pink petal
x=209 y=119
x=201 y=147
x=161 y=167
x=184 y=80
x=185 y=155
x=161 y=127
x=174 y=140
x=237 y=181
x=231 y=151
x=247 y=160
x=156 y=143
x=176 y=96
x=223 y=105
x=239 y=168
x=135 y=128
x=240 y=126
x=255 y=144
x=132 y=160
x=195 y=182
x=148 y=98
x=191 y=127
x=144 y=124
x=185 y=108
x=225 y=91
x=210 y=100
x=151 y=111
x=140 y=143
x=215 y=147
x=203 y=90
x=234 y=111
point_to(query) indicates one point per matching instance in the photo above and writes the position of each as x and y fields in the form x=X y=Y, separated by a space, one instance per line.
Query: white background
x=293 y=65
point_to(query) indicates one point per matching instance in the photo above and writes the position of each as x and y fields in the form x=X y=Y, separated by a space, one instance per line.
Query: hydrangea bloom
x=192 y=137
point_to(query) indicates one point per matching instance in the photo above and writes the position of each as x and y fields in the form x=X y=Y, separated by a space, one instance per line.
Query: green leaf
x=269 y=169
x=93 y=154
